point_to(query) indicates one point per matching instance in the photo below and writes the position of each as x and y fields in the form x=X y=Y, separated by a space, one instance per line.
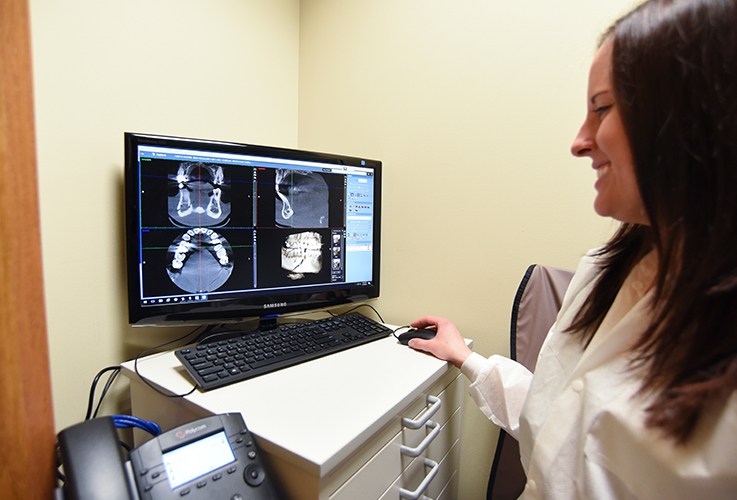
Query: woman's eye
x=601 y=110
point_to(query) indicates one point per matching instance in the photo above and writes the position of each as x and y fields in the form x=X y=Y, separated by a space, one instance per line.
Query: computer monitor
x=221 y=231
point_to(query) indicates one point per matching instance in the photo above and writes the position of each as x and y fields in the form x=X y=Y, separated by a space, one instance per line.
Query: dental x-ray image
x=200 y=198
x=199 y=260
x=302 y=254
x=301 y=199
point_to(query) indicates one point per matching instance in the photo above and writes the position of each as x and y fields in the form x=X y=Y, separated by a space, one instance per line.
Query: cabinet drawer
x=413 y=476
x=450 y=490
x=381 y=470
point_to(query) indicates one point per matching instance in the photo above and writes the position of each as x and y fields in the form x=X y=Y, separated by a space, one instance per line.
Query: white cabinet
x=425 y=448
x=376 y=421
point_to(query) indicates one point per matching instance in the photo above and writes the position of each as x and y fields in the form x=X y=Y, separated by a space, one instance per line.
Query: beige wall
x=471 y=105
x=225 y=69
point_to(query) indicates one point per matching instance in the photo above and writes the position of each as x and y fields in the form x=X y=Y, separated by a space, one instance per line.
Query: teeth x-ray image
x=302 y=254
x=200 y=260
x=198 y=200
x=301 y=199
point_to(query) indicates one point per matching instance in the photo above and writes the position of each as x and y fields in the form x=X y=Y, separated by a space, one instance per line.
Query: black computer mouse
x=419 y=333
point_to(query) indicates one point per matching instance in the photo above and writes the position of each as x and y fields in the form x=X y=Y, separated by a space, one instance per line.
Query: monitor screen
x=219 y=231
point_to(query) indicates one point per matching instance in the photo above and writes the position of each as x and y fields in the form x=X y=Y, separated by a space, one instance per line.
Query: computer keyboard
x=222 y=362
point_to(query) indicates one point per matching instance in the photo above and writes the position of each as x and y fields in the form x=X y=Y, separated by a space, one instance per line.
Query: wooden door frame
x=27 y=453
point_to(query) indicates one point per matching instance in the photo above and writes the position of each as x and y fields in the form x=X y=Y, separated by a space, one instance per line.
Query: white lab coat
x=580 y=422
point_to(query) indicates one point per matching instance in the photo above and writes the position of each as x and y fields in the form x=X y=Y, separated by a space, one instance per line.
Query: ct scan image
x=301 y=199
x=200 y=198
x=199 y=261
x=301 y=254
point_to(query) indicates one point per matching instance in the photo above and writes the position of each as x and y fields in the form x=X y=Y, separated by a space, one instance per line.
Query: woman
x=634 y=390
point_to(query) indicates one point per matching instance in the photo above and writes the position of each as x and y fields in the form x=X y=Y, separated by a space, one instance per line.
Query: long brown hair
x=674 y=75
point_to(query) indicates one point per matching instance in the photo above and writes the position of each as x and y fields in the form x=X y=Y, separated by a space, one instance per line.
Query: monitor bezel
x=257 y=304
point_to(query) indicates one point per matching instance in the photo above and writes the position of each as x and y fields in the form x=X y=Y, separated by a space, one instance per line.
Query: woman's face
x=602 y=138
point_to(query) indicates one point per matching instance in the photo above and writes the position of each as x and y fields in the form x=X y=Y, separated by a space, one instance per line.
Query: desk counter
x=319 y=423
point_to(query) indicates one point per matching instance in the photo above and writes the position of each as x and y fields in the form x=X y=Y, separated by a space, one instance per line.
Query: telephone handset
x=214 y=457
x=93 y=462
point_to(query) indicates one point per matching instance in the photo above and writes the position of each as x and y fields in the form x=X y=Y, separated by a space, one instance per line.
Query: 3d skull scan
x=302 y=254
x=198 y=198
x=301 y=199
x=200 y=260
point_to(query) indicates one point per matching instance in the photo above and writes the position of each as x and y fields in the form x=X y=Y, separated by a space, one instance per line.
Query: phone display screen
x=198 y=458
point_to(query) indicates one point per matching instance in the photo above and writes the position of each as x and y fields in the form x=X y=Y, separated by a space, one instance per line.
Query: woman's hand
x=448 y=344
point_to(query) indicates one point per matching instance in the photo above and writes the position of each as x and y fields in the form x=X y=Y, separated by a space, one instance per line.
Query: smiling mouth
x=601 y=169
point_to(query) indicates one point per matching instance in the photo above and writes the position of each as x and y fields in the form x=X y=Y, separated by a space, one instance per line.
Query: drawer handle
x=416 y=452
x=435 y=404
x=414 y=495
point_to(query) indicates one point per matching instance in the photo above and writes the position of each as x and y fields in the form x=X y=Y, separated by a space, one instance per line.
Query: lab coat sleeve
x=499 y=387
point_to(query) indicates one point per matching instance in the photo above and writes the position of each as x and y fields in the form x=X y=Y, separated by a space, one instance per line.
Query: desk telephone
x=213 y=458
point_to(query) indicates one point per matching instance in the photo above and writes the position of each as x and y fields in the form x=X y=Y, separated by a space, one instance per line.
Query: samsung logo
x=274 y=304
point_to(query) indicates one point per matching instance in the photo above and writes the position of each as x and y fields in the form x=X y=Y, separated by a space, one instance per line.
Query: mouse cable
x=394 y=332
x=358 y=307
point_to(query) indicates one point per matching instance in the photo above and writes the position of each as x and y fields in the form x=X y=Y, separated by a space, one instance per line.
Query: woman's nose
x=582 y=144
